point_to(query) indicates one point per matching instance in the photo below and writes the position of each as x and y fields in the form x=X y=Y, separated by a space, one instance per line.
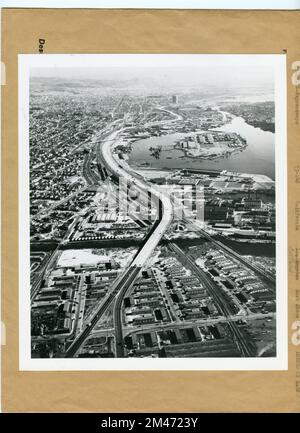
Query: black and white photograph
x=152 y=211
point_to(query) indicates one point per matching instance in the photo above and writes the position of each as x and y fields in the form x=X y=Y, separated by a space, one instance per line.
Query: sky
x=167 y=70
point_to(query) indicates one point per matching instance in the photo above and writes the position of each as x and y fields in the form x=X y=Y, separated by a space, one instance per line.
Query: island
x=210 y=144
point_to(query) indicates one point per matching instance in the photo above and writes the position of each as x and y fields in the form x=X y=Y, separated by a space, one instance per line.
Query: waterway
x=258 y=157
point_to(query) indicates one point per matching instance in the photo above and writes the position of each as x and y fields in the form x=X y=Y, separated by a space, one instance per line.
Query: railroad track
x=247 y=350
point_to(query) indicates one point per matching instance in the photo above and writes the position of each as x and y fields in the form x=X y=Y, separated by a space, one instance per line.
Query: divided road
x=121 y=283
x=164 y=219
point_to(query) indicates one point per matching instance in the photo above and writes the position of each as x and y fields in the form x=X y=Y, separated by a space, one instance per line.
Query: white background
x=156 y=4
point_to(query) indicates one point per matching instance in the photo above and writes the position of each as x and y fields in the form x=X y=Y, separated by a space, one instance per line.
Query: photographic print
x=152 y=197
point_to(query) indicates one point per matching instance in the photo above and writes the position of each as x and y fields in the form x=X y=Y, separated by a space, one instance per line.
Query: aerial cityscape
x=152 y=214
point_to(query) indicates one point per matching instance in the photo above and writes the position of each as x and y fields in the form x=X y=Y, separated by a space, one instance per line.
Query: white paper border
x=155 y=4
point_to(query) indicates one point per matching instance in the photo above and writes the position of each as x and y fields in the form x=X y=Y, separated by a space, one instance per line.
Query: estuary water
x=258 y=157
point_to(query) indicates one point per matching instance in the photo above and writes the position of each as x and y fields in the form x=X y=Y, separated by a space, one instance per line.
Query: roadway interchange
x=106 y=156
x=142 y=185
x=119 y=289
x=122 y=285
x=164 y=219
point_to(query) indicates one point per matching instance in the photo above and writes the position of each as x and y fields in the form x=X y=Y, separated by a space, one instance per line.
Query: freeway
x=176 y=117
x=164 y=219
x=123 y=284
x=124 y=281
x=246 y=348
x=106 y=155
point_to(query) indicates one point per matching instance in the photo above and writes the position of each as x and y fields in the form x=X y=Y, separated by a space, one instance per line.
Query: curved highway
x=167 y=209
x=125 y=281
